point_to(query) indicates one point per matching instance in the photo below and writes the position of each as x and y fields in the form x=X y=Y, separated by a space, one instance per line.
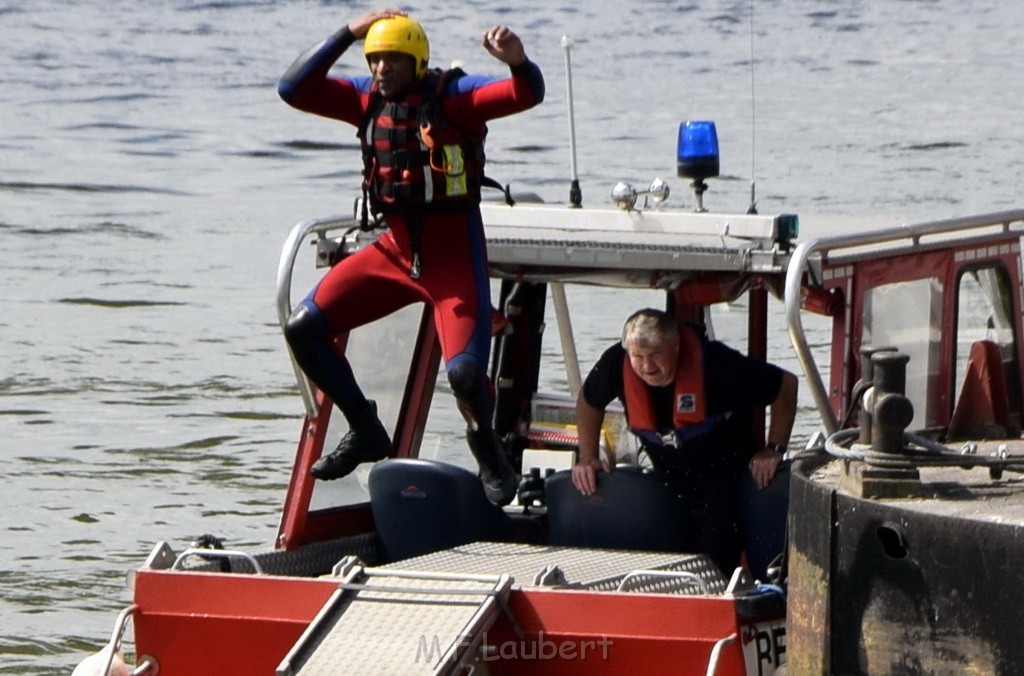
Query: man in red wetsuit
x=422 y=133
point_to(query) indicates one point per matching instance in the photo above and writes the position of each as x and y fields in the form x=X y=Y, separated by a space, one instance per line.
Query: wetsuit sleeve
x=528 y=82
x=604 y=382
x=306 y=86
x=475 y=99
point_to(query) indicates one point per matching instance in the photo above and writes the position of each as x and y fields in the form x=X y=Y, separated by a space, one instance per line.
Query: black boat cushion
x=422 y=506
x=630 y=510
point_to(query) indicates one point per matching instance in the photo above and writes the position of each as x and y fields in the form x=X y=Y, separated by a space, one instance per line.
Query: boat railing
x=285 y=269
x=226 y=554
x=683 y=576
x=912 y=236
x=145 y=664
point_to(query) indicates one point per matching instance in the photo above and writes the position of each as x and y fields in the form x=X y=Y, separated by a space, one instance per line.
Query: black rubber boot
x=500 y=480
x=366 y=441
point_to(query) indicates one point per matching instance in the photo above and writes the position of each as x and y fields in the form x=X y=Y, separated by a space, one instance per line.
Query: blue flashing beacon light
x=697 y=155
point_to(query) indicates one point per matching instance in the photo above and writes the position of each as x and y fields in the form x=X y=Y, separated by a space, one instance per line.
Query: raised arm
x=306 y=86
x=503 y=44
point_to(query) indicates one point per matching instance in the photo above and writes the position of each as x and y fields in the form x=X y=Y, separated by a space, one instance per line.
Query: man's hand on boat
x=763 y=465
x=584 y=474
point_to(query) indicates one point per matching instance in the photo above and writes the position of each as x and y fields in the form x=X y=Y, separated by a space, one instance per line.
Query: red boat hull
x=194 y=623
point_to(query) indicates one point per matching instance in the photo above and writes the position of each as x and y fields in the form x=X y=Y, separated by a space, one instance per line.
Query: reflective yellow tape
x=454 y=171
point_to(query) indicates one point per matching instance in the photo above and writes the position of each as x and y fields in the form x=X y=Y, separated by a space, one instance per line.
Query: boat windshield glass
x=908 y=316
x=984 y=313
x=382 y=352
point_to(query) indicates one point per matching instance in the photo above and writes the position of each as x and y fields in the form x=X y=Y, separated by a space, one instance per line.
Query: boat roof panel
x=549 y=239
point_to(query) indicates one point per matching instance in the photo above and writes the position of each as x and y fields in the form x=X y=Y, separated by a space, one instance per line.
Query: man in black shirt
x=692 y=403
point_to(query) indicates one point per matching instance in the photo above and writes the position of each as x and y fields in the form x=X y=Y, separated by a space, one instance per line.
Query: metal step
x=386 y=621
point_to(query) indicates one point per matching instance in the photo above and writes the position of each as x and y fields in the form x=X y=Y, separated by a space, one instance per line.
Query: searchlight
x=624 y=195
x=697 y=155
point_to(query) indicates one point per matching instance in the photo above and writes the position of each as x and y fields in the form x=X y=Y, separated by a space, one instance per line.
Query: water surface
x=149 y=175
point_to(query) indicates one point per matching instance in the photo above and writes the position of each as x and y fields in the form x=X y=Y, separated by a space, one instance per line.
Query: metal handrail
x=218 y=554
x=667 y=574
x=716 y=653
x=120 y=624
x=285 y=267
x=804 y=251
x=146 y=665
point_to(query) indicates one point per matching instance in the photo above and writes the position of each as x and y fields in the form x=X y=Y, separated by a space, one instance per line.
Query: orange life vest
x=689 y=409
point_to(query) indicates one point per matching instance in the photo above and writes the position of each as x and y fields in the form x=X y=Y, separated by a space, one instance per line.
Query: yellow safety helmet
x=399 y=34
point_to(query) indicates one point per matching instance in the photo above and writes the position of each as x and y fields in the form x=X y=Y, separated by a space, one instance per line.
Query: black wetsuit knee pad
x=467 y=381
x=302 y=327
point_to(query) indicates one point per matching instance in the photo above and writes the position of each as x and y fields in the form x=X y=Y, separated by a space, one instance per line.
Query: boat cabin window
x=908 y=316
x=985 y=313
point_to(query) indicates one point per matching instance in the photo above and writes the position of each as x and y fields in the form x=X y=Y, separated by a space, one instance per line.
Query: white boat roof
x=550 y=238
x=617 y=246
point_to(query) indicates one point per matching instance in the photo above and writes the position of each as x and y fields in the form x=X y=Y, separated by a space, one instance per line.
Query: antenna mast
x=752 y=209
x=575 y=195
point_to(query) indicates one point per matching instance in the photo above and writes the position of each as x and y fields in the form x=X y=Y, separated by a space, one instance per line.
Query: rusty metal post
x=867 y=370
x=892 y=410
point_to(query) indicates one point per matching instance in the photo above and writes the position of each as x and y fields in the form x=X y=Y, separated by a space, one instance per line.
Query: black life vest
x=414 y=159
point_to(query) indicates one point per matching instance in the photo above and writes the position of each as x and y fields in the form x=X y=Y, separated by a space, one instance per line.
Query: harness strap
x=399 y=191
x=399 y=111
x=414 y=223
x=402 y=159
x=488 y=182
x=395 y=134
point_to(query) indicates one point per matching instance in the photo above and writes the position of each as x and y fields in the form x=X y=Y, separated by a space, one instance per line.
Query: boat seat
x=422 y=506
x=630 y=510
x=982 y=409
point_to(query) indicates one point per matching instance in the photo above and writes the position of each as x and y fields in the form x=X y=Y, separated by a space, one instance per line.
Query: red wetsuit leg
x=456 y=280
x=369 y=284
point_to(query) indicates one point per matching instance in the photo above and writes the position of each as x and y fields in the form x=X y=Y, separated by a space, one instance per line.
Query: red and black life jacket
x=413 y=157
x=689 y=410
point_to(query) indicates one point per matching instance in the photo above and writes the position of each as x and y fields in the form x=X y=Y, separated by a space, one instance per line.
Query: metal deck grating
x=393 y=622
x=594 y=569
x=428 y=614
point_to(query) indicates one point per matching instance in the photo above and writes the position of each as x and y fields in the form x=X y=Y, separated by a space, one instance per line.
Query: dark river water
x=149 y=175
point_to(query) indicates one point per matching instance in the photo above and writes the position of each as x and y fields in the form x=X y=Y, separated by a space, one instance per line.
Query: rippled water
x=150 y=175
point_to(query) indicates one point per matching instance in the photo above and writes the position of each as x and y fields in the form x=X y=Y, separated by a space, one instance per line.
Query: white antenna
x=575 y=196
x=752 y=209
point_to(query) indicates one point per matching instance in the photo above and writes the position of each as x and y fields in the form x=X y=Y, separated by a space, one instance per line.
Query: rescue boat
x=885 y=542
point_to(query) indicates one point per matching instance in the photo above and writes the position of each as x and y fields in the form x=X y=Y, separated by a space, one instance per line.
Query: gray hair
x=649 y=326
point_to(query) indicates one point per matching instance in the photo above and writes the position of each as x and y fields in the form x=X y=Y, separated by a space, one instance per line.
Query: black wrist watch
x=777 y=447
